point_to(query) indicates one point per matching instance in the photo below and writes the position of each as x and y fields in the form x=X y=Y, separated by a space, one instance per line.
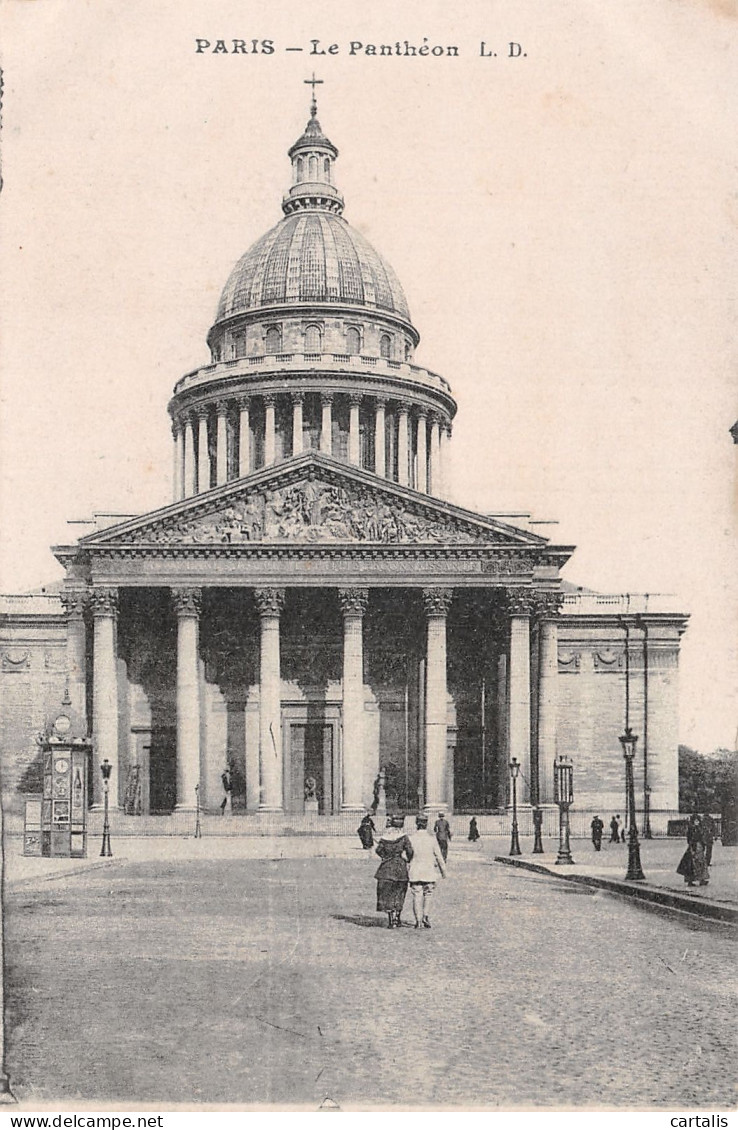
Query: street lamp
x=106 y=769
x=198 y=828
x=635 y=871
x=515 y=841
x=563 y=796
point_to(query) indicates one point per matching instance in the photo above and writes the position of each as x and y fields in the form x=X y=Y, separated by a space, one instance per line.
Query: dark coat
x=395 y=855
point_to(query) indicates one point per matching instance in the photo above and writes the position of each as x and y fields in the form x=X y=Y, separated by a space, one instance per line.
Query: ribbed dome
x=312 y=256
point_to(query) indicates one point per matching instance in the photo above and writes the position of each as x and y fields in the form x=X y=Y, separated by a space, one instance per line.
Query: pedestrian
x=473 y=830
x=227 y=781
x=615 y=830
x=708 y=836
x=395 y=851
x=692 y=865
x=366 y=832
x=621 y=824
x=443 y=834
x=598 y=828
x=425 y=863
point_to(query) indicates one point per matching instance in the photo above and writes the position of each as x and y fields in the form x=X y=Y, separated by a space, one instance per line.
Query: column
x=443 y=459
x=75 y=603
x=403 y=445
x=203 y=453
x=519 y=607
x=187 y=603
x=244 y=438
x=326 y=423
x=190 y=468
x=297 y=438
x=380 y=467
x=105 y=688
x=435 y=486
x=548 y=679
x=353 y=605
x=221 y=448
x=354 y=450
x=437 y=603
x=270 y=603
x=177 y=457
x=270 y=439
x=421 y=482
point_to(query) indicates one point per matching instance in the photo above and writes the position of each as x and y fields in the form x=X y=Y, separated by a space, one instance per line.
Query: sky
x=564 y=223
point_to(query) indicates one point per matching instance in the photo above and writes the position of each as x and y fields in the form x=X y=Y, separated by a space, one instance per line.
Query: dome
x=312 y=256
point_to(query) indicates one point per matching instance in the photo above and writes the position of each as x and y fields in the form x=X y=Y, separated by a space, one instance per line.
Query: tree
x=707 y=782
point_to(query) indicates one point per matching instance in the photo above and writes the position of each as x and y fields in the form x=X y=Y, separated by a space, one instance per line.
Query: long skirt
x=390 y=895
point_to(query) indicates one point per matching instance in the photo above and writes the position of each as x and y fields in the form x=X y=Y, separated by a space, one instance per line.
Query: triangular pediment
x=312 y=500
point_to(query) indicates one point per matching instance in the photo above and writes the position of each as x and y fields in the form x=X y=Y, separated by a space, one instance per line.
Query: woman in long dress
x=395 y=851
x=366 y=832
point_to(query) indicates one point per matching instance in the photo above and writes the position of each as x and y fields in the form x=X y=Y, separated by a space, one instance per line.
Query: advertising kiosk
x=58 y=827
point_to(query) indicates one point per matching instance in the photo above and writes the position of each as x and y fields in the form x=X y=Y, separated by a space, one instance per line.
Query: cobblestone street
x=269 y=981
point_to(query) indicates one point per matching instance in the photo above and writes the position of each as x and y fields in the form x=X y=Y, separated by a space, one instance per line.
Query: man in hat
x=422 y=870
x=442 y=830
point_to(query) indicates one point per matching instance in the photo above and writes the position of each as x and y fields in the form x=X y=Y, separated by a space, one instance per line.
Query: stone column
x=435 y=486
x=177 y=458
x=105 y=688
x=353 y=605
x=244 y=438
x=403 y=445
x=549 y=605
x=443 y=459
x=221 y=449
x=421 y=483
x=190 y=467
x=437 y=603
x=297 y=440
x=354 y=450
x=187 y=603
x=519 y=608
x=270 y=435
x=270 y=603
x=75 y=603
x=203 y=452
x=326 y=423
x=380 y=467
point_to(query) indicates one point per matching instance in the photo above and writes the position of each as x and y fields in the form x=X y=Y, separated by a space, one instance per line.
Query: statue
x=311 y=795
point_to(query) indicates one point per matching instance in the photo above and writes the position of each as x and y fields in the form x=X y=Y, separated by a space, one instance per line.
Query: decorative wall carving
x=187 y=601
x=269 y=602
x=608 y=659
x=104 y=601
x=569 y=661
x=314 y=511
x=353 y=601
x=16 y=660
x=437 y=601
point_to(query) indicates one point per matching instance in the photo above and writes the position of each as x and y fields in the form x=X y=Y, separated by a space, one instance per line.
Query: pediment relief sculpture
x=312 y=512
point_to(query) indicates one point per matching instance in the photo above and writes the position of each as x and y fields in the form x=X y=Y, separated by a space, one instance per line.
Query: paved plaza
x=207 y=975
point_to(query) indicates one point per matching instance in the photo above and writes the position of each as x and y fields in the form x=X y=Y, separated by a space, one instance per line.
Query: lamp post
x=198 y=829
x=635 y=871
x=563 y=796
x=106 y=769
x=537 y=831
x=515 y=840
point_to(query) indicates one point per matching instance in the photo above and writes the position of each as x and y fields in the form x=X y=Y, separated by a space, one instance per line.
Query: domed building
x=310 y=612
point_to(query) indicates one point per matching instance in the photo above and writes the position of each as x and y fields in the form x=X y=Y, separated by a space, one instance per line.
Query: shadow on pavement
x=361 y=920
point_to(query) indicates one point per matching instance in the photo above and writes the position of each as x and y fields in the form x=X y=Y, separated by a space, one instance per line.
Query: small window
x=274 y=340
x=385 y=346
x=239 y=345
x=313 y=168
x=300 y=168
x=353 y=340
x=327 y=170
x=313 y=339
x=407 y=351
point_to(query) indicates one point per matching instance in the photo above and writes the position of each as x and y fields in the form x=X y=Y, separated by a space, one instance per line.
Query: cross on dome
x=313 y=82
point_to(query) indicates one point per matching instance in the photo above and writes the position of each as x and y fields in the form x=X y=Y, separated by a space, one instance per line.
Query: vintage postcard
x=368 y=623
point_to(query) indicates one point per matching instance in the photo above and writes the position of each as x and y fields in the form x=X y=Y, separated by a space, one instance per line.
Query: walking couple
x=412 y=859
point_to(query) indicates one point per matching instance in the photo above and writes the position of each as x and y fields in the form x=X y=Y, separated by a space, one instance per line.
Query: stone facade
x=310 y=610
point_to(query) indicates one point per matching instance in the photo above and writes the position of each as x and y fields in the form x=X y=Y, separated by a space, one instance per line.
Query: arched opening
x=313 y=168
x=327 y=170
x=385 y=346
x=313 y=339
x=353 y=340
x=300 y=166
x=274 y=340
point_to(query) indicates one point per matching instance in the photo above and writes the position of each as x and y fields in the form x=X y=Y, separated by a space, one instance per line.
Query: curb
x=654 y=895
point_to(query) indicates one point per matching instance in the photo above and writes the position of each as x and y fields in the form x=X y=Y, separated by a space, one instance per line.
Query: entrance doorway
x=310 y=757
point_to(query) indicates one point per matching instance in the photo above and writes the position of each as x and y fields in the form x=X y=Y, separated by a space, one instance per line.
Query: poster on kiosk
x=60 y=827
